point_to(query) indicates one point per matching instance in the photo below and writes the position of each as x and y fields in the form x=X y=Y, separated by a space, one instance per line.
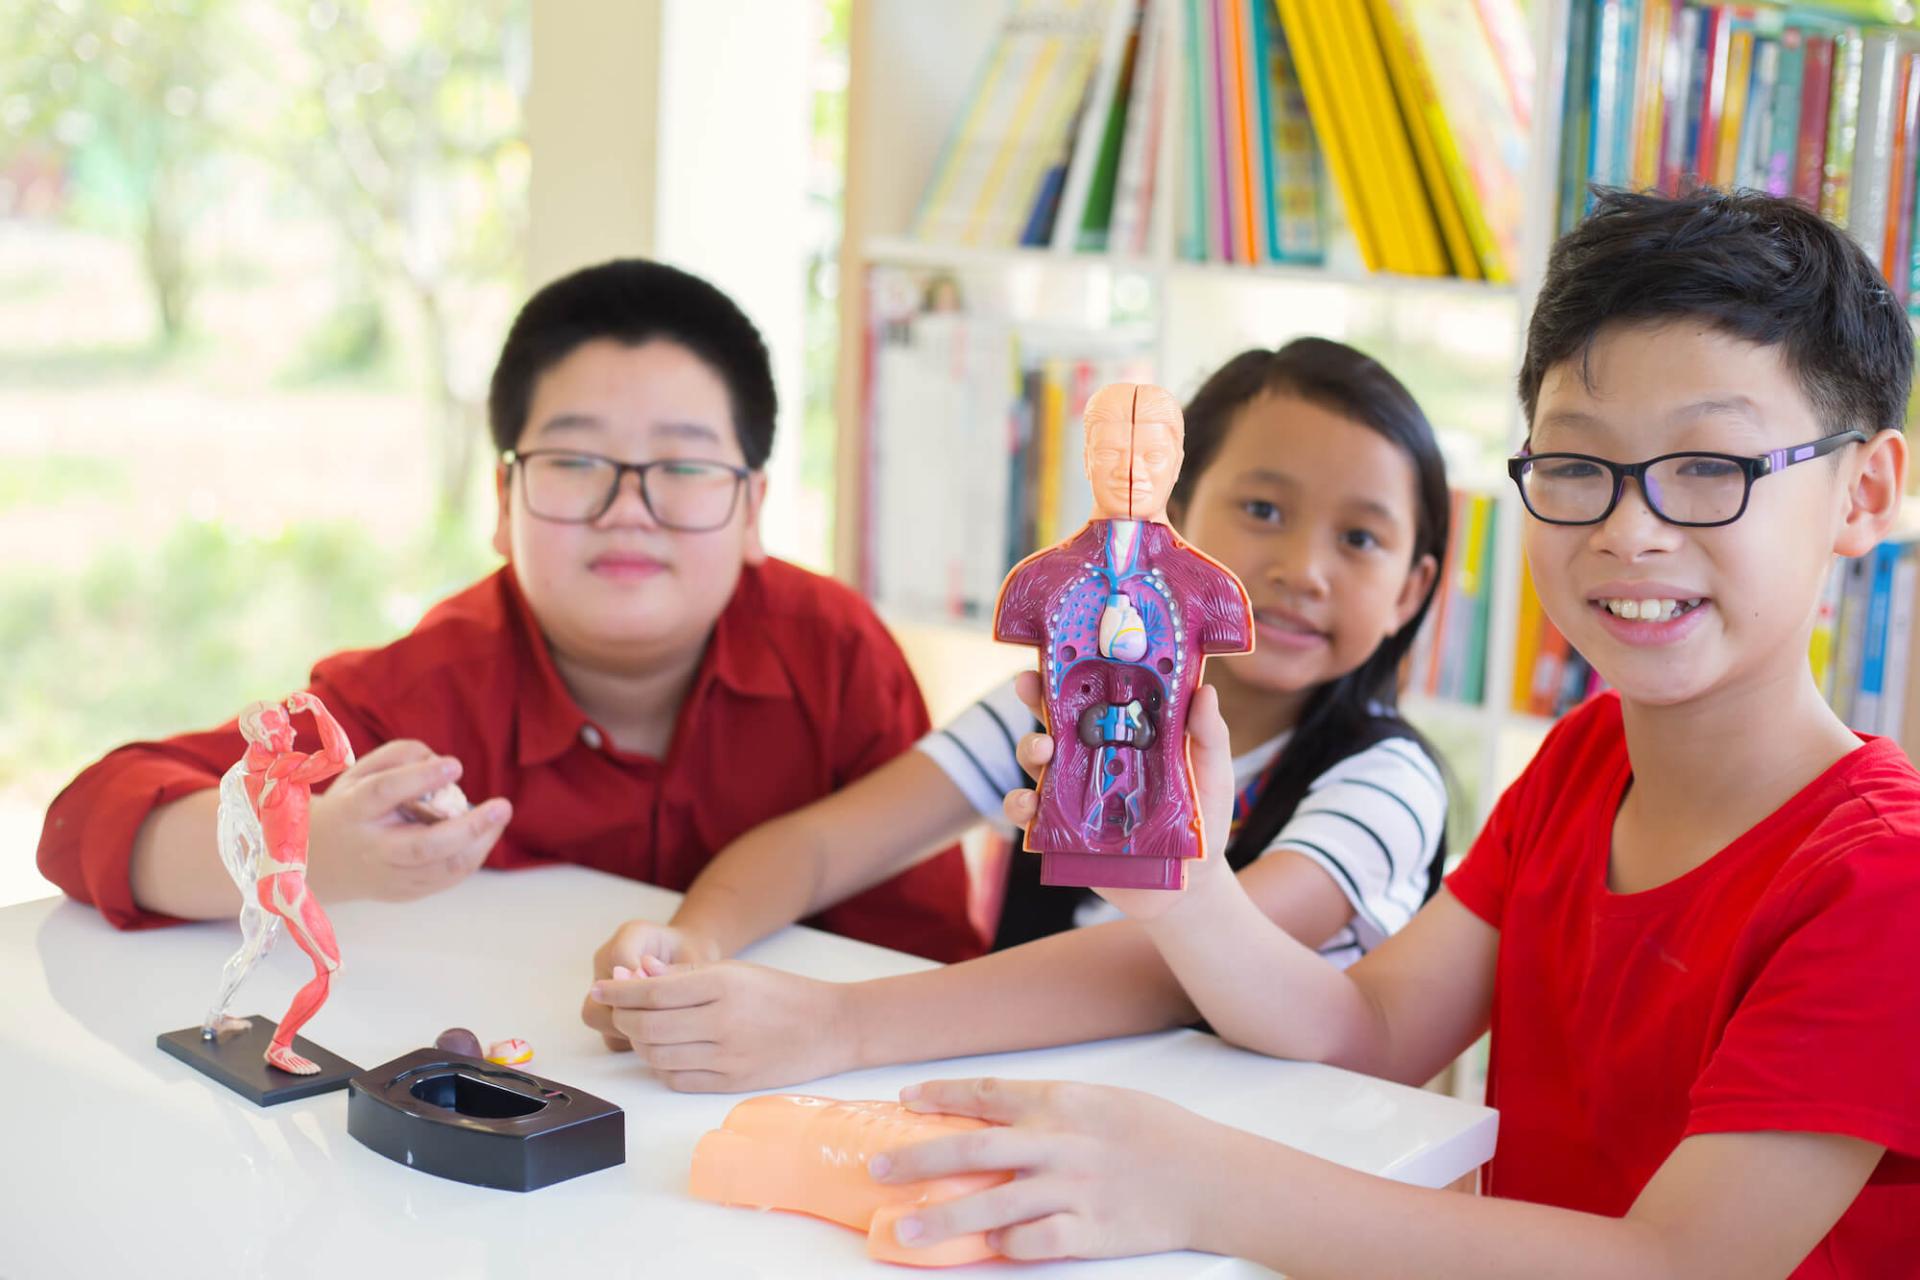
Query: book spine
x=1785 y=131
x=1816 y=102
x=1843 y=129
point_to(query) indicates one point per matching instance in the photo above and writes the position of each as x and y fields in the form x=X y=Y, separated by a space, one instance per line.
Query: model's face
x=270 y=727
x=624 y=585
x=1726 y=606
x=1131 y=468
x=1316 y=515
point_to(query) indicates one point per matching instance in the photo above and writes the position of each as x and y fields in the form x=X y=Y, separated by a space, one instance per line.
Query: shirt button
x=592 y=736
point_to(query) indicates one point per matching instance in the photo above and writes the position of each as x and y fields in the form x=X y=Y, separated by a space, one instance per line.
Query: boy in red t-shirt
x=638 y=686
x=1693 y=923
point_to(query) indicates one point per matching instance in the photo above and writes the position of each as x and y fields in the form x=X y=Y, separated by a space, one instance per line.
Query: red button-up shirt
x=800 y=691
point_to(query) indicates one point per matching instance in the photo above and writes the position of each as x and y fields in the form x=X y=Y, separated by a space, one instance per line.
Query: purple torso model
x=1124 y=614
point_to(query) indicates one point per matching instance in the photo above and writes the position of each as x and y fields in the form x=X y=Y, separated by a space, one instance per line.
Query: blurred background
x=256 y=260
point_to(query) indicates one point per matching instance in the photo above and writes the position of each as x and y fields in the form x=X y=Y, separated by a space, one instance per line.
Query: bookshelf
x=1455 y=341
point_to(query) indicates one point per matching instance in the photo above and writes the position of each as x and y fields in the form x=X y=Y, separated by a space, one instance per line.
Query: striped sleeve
x=976 y=750
x=1373 y=822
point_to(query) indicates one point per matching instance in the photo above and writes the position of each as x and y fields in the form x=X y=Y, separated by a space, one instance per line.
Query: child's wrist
x=848 y=1026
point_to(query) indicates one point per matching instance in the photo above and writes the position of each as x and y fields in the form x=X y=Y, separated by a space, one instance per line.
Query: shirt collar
x=740 y=655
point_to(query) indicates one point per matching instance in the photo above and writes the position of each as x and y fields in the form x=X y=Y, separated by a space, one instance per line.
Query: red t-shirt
x=1774 y=987
x=800 y=691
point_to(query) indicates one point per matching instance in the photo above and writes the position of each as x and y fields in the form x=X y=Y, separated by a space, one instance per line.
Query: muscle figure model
x=264 y=809
x=1124 y=614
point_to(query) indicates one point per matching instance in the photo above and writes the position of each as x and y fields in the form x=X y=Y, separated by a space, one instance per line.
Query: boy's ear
x=754 y=550
x=1876 y=479
x=502 y=526
x=1419 y=579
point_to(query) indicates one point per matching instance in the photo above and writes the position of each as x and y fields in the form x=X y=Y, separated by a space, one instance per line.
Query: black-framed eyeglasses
x=1695 y=490
x=688 y=495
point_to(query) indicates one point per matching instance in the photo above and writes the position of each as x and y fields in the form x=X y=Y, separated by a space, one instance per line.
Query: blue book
x=1873 y=657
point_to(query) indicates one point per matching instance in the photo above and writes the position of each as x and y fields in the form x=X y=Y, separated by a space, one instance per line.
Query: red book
x=1896 y=261
x=1816 y=97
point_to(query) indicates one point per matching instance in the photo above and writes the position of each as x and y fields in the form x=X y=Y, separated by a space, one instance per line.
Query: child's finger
x=377 y=794
x=679 y=989
x=471 y=832
x=669 y=1026
x=1058 y=1235
x=991 y=1150
x=1027 y=686
x=698 y=1082
x=1212 y=751
x=389 y=755
x=989 y=1098
x=600 y=1018
x=1020 y=806
x=1022 y=1200
x=1035 y=750
x=697 y=1056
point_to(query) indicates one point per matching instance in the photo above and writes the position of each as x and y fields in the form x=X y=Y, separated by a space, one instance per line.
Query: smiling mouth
x=1280 y=622
x=1663 y=610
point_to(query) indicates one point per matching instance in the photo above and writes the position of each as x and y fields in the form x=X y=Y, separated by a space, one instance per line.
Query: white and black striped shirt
x=1372 y=821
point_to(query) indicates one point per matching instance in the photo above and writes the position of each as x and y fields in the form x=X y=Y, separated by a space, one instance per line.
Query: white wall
x=679 y=129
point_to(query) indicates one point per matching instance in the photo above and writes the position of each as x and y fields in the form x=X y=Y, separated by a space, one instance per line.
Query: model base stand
x=471 y=1121
x=238 y=1062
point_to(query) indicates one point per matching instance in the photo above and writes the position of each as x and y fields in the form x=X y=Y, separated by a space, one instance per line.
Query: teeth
x=1647 y=610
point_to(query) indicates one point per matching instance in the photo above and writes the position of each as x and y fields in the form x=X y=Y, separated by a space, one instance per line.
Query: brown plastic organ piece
x=809 y=1155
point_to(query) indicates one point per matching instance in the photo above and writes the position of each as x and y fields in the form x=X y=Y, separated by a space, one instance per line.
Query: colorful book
x=1816 y=106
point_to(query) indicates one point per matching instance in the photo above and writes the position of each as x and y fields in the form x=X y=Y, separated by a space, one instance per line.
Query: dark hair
x=632 y=301
x=1342 y=715
x=1757 y=267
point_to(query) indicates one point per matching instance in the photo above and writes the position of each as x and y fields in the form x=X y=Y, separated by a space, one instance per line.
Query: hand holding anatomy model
x=1124 y=614
x=265 y=804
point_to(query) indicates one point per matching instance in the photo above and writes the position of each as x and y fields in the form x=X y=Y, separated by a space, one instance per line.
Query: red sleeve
x=879 y=715
x=86 y=846
x=1480 y=881
x=1824 y=1036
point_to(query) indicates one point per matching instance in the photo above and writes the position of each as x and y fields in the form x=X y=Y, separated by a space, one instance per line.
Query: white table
x=118 y=1160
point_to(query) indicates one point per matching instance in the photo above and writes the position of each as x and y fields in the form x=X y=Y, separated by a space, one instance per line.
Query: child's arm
x=1403 y=1012
x=734 y=1026
x=792 y=867
x=1110 y=1172
x=358 y=845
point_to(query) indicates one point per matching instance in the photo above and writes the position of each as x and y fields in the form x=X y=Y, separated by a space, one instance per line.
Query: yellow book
x=1047 y=442
x=1017 y=135
x=1526 y=641
x=1317 y=83
x=1385 y=161
x=1650 y=88
x=1426 y=126
x=1071 y=69
x=1733 y=111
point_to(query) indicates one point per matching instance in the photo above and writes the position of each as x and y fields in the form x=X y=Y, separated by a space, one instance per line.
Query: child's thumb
x=1212 y=752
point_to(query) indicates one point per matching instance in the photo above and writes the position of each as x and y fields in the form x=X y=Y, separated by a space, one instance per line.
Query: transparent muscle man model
x=264 y=810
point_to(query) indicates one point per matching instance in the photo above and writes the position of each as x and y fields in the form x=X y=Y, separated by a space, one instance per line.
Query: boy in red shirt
x=638 y=685
x=1692 y=923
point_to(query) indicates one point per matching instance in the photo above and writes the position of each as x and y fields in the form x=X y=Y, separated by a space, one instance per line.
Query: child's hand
x=630 y=943
x=1213 y=779
x=1101 y=1172
x=362 y=846
x=727 y=1027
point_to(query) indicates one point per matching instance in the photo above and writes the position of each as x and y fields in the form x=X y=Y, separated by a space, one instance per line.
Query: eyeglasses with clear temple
x=688 y=495
x=1695 y=490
